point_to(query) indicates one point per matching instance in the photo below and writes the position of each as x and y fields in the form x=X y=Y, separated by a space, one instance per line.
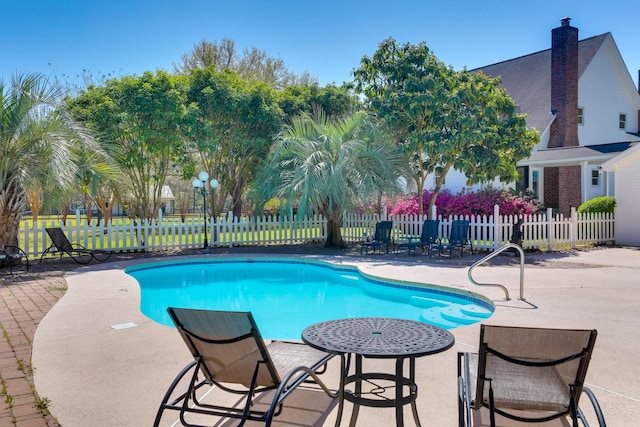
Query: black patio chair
x=230 y=356
x=80 y=254
x=428 y=237
x=458 y=238
x=12 y=256
x=382 y=237
x=529 y=375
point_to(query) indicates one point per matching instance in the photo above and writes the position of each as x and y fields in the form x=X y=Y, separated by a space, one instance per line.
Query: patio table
x=381 y=338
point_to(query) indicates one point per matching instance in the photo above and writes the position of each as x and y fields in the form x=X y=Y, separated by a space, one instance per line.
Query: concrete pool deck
x=97 y=372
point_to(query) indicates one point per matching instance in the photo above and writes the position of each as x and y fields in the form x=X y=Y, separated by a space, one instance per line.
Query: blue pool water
x=286 y=295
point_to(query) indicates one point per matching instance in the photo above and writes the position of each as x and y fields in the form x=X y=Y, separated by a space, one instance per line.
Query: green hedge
x=603 y=204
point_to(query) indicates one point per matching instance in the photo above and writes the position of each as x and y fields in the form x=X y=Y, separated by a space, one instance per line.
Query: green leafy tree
x=141 y=118
x=445 y=119
x=335 y=101
x=324 y=165
x=234 y=122
x=39 y=141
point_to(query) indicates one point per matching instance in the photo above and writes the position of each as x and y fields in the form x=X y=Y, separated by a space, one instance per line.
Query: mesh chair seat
x=523 y=387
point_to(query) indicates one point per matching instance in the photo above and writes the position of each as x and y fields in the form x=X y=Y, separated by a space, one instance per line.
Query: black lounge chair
x=428 y=237
x=81 y=255
x=529 y=375
x=382 y=237
x=230 y=355
x=12 y=256
x=458 y=238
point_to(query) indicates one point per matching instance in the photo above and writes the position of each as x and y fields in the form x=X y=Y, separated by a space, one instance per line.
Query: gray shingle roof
x=527 y=79
x=572 y=155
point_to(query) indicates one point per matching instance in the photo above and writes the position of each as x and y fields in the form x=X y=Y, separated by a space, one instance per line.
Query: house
x=626 y=166
x=166 y=202
x=581 y=98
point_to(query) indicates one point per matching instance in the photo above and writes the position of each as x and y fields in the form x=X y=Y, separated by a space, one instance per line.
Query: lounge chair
x=527 y=375
x=81 y=255
x=12 y=256
x=428 y=237
x=382 y=237
x=458 y=238
x=230 y=355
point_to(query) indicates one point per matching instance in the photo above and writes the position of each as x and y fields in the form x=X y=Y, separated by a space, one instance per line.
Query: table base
x=358 y=398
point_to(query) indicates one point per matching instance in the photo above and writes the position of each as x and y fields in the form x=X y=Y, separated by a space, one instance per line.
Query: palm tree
x=326 y=165
x=38 y=139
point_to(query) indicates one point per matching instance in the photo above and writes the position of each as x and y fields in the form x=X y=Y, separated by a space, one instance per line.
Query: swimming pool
x=286 y=295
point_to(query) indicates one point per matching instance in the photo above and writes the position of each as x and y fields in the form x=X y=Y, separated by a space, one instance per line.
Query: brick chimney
x=562 y=185
x=564 y=85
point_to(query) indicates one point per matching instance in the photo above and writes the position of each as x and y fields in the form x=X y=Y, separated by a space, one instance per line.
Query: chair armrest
x=465 y=389
x=596 y=407
x=14 y=252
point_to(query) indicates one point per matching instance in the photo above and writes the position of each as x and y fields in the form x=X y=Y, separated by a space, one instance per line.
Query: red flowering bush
x=467 y=203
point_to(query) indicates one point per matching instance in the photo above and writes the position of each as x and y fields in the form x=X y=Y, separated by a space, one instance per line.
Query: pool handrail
x=491 y=255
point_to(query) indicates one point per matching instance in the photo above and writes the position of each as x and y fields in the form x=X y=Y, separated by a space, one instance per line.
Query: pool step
x=476 y=311
x=434 y=318
x=455 y=315
x=425 y=302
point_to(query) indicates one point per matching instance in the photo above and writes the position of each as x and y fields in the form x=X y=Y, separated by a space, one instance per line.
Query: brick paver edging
x=25 y=298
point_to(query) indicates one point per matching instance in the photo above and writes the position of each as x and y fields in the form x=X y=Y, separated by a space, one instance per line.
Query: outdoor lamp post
x=201 y=183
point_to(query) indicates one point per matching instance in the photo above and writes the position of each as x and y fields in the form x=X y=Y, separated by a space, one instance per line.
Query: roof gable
x=610 y=165
x=527 y=79
x=573 y=155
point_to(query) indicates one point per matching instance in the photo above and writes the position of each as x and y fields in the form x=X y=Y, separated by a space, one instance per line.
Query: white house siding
x=456 y=181
x=590 y=190
x=627 y=190
x=605 y=90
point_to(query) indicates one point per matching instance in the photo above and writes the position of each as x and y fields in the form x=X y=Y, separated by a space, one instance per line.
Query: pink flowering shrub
x=467 y=203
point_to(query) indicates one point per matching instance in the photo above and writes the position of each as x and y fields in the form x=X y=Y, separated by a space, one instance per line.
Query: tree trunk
x=436 y=191
x=334 y=235
x=12 y=203
x=9 y=226
x=35 y=201
x=236 y=197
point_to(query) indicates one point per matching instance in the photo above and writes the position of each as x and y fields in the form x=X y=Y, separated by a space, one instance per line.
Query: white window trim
x=581 y=123
x=597 y=176
x=624 y=128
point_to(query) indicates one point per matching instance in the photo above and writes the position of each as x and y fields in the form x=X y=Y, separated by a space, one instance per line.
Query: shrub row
x=467 y=202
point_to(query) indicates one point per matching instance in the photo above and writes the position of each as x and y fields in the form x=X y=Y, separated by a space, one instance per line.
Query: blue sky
x=327 y=39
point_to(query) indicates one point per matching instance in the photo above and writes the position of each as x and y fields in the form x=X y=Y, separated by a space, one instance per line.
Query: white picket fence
x=544 y=231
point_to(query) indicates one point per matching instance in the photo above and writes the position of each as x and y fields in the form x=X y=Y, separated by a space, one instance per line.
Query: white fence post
x=497 y=228
x=551 y=229
x=573 y=228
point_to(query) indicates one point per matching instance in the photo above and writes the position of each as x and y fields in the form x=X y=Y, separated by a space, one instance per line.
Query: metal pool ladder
x=491 y=255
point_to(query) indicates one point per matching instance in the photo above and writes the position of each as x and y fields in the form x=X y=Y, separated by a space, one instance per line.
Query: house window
x=623 y=121
x=580 y=115
x=595 y=178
